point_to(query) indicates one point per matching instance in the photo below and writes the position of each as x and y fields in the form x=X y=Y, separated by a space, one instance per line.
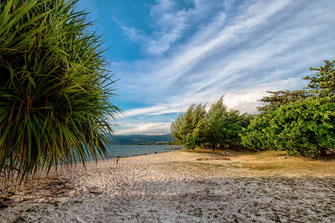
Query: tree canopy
x=278 y=98
x=54 y=89
x=224 y=126
x=323 y=82
x=217 y=127
x=188 y=128
x=301 y=122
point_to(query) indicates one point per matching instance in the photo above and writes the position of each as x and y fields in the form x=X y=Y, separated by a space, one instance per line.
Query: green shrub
x=191 y=141
x=307 y=127
x=304 y=128
x=260 y=134
x=323 y=82
x=225 y=126
x=190 y=125
x=54 y=90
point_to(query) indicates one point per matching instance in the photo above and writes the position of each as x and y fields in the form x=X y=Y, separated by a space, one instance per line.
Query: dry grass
x=271 y=163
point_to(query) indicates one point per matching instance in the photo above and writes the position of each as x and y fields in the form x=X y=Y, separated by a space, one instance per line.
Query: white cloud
x=196 y=52
x=155 y=110
x=169 y=24
x=163 y=6
x=146 y=110
x=242 y=52
x=148 y=128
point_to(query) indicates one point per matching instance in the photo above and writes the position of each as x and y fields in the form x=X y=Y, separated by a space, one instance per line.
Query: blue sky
x=168 y=54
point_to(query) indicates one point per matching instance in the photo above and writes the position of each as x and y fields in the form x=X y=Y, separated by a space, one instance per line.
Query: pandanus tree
x=54 y=89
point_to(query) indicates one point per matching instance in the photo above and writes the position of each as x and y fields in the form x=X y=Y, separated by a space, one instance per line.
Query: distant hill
x=141 y=139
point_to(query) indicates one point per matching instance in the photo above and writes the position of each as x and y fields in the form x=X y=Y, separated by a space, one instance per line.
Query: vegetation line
x=301 y=122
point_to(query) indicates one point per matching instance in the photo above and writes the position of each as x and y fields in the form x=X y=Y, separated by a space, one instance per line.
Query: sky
x=169 y=54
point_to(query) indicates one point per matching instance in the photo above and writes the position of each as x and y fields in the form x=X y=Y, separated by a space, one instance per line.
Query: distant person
x=117 y=160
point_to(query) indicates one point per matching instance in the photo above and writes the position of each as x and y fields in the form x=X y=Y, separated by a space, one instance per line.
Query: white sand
x=174 y=187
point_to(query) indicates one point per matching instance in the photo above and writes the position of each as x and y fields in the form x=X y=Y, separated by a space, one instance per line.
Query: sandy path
x=179 y=187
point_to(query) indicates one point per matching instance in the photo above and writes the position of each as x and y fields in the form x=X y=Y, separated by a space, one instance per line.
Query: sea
x=135 y=150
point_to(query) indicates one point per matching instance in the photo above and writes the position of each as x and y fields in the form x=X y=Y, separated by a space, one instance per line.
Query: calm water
x=134 y=150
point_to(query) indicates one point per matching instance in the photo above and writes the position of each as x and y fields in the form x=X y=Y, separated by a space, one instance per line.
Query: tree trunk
x=213 y=146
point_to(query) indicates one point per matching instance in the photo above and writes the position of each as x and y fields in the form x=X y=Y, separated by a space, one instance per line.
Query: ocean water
x=134 y=150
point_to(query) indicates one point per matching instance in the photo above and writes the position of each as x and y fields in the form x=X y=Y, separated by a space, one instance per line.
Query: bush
x=257 y=135
x=54 y=90
x=190 y=125
x=304 y=128
x=224 y=127
x=191 y=141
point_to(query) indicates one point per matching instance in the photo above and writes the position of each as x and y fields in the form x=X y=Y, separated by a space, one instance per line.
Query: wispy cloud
x=169 y=24
x=240 y=51
x=147 y=128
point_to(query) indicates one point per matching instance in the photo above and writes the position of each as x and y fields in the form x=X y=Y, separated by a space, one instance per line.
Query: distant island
x=143 y=139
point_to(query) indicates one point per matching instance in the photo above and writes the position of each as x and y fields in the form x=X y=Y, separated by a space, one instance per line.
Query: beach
x=181 y=186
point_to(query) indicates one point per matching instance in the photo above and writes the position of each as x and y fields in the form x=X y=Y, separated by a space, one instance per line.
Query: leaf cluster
x=54 y=89
x=188 y=128
x=323 y=82
x=305 y=127
x=225 y=126
x=218 y=126
x=300 y=122
x=278 y=98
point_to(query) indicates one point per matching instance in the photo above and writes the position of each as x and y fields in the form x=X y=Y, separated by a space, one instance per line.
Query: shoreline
x=134 y=155
x=167 y=148
x=124 y=157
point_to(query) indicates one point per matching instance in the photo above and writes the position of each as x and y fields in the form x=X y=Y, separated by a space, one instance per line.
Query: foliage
x=278 y=98
x=54 y=90
x=323 y=82
x=257 y=135
x=305 y=127
x=214 y=125
x=234 y=124
x=191 y=141
x=189 y=126
x=175 y=129
x=217 y=127
x=302 y=122
x=224 y=127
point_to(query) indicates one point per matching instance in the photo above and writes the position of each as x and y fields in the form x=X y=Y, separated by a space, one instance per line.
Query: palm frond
x=54 y=88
